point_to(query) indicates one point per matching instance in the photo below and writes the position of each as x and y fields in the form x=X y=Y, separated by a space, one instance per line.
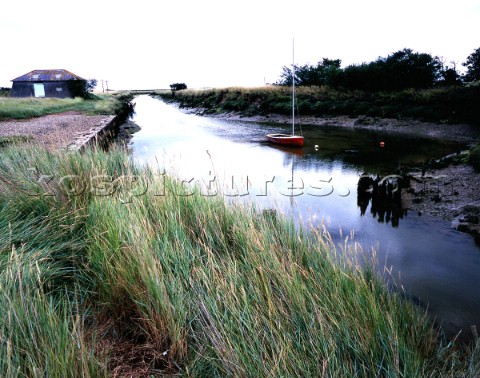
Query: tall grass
x=104 y=281
x=18 y=108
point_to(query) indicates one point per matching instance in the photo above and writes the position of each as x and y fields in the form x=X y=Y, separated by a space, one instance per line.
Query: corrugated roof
x=48 y=75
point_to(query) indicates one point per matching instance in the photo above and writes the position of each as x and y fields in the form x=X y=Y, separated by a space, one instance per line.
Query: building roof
x=48 y=75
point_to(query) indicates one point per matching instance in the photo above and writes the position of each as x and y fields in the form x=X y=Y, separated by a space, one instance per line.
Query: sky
x=150 y=44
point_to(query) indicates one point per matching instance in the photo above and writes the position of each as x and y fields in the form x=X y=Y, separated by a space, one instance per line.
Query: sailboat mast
x=293 y=87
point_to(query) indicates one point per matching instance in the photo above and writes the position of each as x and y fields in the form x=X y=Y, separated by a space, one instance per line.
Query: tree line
x=400 y=70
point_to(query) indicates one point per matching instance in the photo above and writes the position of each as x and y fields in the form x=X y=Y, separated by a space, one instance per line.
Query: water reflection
x=386 y=196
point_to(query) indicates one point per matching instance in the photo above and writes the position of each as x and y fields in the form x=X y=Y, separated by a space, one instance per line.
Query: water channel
x=317 y=186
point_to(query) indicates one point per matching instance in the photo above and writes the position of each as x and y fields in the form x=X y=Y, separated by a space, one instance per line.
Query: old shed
x=48 y=83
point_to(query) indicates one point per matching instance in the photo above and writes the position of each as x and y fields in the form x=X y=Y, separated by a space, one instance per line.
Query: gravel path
x=56 y=131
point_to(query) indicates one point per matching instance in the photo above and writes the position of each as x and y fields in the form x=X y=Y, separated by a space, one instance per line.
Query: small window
x=35 y=77
x=59 y=89
x=58 y=76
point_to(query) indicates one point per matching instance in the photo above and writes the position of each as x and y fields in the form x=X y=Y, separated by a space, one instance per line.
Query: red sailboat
x=290 y=140
x=286 y=140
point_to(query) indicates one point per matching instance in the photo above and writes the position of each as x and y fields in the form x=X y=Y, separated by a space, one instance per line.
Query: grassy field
x=443 y=105
x=20 y=108
x=105 y=271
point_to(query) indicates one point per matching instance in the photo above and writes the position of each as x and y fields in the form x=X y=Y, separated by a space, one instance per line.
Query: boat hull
x=286 y=140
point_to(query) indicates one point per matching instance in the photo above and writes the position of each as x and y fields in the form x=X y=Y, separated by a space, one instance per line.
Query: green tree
x=178 y=86
x=82 y=88
x=365 y=76
x=400 y=70
x=408 y=69
x=450 y=76
x=473 y=66
x=325 y=72
x=286 y=76
x=90 y=85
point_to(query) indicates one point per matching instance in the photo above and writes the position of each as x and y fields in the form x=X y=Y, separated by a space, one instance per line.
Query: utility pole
x=103 y=89
x=106 y=81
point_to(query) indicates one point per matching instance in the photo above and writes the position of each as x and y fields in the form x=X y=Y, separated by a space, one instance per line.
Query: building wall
x=21 y=89
x=59 y=89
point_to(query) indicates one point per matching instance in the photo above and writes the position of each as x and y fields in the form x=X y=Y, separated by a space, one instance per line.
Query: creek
x=317 y=185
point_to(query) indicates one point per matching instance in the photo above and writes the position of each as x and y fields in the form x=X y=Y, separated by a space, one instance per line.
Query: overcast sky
x=146 y=44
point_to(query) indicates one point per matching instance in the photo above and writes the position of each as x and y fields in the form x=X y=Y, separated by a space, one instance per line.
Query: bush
x=178 y=86
x=474 y=159
x=4 y=92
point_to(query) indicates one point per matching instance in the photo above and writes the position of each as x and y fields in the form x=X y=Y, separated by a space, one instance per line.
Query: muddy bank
x=125 y=133
x=450 y=193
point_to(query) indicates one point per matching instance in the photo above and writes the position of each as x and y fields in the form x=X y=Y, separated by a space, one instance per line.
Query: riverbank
x=450 y=193
x=141 y=281
x=441 y=105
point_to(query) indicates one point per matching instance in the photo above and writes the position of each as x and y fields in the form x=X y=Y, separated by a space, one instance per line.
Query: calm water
x=317 y=185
